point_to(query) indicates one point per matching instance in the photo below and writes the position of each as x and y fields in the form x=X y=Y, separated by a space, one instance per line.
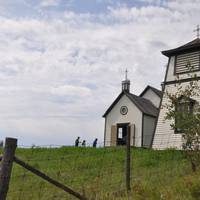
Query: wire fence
x=100 y=173
x=90 y=172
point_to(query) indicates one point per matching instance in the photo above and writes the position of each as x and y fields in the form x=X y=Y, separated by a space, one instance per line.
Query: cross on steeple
x=126 y=74
x=197 y=30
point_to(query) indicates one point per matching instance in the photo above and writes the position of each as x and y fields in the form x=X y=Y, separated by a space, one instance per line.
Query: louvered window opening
x=183 y=62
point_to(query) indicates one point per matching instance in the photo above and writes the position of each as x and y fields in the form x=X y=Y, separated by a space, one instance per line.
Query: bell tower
x=126 y=83
x=183 y=63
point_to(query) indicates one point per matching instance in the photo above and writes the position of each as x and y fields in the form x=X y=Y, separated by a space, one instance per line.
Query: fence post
x=128 y=160
x=6 y=166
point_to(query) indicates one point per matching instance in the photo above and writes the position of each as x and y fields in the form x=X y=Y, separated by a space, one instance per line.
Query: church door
x=122 y=130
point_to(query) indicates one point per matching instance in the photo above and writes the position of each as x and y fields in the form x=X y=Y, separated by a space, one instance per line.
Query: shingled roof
x=144 y=105
x=192 y=45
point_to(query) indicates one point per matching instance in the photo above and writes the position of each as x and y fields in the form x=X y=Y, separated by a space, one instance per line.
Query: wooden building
x=136 y=114
x=178 y=59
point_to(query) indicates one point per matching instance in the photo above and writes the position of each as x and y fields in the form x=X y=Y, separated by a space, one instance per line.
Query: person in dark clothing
x=1 y=144
x=95 y=143
x=83 y=143
x=77 y=142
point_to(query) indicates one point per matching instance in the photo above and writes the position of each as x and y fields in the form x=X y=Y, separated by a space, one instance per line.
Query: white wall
x=154 y=98
x=164 y=135
x=148 y=130
x=134 y=116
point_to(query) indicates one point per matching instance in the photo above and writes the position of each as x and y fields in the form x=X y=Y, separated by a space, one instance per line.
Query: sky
x=62 y=61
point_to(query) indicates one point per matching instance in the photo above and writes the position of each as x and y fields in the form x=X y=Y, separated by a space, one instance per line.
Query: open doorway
x=122 y=133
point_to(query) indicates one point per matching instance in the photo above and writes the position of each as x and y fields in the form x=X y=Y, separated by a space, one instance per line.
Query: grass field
x=100 y=174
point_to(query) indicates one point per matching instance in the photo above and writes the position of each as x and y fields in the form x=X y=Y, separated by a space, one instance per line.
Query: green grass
x=99 y=174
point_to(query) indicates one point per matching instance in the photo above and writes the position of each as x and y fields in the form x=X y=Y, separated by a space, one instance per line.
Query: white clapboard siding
x=164 y=135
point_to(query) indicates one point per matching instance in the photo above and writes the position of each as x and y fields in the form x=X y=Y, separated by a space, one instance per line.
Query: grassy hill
x=100 y=174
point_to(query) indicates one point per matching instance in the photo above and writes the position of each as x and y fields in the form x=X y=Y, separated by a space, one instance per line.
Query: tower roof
x=190 y=46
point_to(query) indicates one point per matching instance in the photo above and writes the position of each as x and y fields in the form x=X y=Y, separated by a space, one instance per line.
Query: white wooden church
x=136 y=114
x=143 y=115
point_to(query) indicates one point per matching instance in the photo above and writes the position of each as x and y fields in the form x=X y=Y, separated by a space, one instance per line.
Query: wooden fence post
x=6 y=166
x=128 y=160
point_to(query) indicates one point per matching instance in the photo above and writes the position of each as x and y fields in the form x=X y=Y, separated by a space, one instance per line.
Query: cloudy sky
x=62 y=61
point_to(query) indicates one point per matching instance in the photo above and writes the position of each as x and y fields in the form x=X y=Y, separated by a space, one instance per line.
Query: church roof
x=190 y=46
x=144 y=105
x=156 y=91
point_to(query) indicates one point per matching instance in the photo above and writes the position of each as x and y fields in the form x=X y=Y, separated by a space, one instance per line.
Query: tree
x=184 y=113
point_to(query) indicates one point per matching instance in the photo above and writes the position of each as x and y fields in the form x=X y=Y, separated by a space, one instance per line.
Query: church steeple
x=126 y=83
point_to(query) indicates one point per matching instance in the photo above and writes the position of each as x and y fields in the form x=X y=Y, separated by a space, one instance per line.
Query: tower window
x=187 y=62
x=183 y=109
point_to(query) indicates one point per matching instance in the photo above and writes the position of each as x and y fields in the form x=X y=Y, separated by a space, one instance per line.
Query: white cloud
x=75 y=91
x=46 y=3
x=58 y=75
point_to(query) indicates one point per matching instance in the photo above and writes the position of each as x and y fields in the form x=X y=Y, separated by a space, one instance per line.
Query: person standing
x=77 y=141
x=95 y=143
x=1 y=144
x=83 y=143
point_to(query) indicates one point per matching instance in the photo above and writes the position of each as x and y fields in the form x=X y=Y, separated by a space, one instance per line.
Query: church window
x=123 y=110
x=183 y=108
x=187 y=62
